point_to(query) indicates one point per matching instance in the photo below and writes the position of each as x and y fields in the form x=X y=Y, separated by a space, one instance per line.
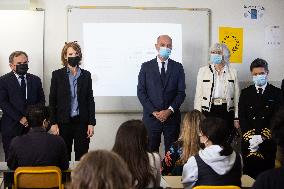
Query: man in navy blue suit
x=18 y=90
x=161 y=91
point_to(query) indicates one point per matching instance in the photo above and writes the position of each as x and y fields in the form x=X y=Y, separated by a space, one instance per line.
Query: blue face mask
x=216 y=58
x=259 y=80
x=165 y=52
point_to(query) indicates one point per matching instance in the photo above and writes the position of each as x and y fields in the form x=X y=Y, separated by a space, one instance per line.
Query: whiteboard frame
x=70 y=7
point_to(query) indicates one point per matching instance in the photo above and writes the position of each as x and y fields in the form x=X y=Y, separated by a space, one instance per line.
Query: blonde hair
x=74 y=45
x=101 y=169
x=189 y=134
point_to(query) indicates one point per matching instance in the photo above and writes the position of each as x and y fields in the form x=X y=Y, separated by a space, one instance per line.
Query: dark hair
x=216 y=130
x=36 y=114
x=131 y=144
x=101 y=169
x=277 y=127
x=16 y=54
x=257 y=63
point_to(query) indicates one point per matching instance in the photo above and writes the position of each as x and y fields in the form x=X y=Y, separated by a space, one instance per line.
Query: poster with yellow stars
x=233 y=38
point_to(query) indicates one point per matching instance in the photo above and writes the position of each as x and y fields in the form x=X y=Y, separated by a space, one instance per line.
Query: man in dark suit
x=18 y=90
x=37 y=147
x=161 y=91
x=72 y=103
x=257 y=105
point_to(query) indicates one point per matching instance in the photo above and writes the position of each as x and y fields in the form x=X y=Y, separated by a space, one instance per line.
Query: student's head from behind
x=219 y=54
x=18 y=61
x=131 y=143
x=214 y=131
x=71 y=54
x=189 y=133
x=38 y=116
x=164 y=47
x=259 y=71
x=131 y=136
x=101 y=169
x=277 y=126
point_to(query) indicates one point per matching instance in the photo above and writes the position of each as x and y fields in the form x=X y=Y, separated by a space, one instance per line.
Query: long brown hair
x=101 y=169
x=131 y=144
x=189 y=134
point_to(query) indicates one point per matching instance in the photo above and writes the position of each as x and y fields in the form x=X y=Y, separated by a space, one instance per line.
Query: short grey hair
x=224 y=49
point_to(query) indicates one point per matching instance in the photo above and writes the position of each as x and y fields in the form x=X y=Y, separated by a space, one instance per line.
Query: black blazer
x=60 y=97
x=255 y=115
x=14 y=105
x=38 y=148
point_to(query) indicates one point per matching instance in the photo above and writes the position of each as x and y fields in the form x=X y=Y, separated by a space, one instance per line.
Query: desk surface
x=175 y=181
x=4 y=167
x=166 y=181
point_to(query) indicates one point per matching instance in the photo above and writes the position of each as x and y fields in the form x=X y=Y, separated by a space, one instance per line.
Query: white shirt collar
x=224 y=69
x=18 y=76
x=160 y=64
x=263 y=87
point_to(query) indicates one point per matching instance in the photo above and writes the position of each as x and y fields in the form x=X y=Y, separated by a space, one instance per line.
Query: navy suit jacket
x=154 y=96
x=13 y=103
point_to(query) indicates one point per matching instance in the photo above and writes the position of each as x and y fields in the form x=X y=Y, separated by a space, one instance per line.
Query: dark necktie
x=23 y=86
x=163 y=73
x=260 y=90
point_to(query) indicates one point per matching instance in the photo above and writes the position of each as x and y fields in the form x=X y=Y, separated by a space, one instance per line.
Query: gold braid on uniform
x=255 y=154
x=266 y=132
x=247 y=135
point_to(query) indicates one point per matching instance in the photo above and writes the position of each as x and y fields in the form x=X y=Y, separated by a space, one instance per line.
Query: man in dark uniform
x=257 y=105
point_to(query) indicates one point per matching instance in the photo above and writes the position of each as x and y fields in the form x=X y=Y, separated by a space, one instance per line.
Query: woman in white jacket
x=217 y=164
x=217 y=88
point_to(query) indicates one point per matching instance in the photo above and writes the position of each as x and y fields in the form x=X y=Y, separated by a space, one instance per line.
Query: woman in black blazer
x=71 y=102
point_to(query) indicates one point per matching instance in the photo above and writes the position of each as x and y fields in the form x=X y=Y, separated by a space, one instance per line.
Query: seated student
x=101 y=169
x=274 y=178
x=217 y=164
x=37 y=147
x=187 y=145
x=131 y=144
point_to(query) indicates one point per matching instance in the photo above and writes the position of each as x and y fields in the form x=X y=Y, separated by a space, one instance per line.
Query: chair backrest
x=38 y=177
x=216 y=187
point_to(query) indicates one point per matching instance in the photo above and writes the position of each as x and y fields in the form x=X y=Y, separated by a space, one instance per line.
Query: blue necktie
x=23 y=86
x=163 y=73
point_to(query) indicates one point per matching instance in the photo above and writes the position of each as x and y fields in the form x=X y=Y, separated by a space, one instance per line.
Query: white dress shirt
x=19 y=80
x=219 y=89
x=160 y=64
x=263 y=87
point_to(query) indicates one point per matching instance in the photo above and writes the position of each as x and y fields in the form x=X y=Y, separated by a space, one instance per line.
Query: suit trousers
x=170 y=132
x=77 y=131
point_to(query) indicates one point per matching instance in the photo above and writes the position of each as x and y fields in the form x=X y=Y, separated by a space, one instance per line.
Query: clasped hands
x=254 y=142
x=162 y=115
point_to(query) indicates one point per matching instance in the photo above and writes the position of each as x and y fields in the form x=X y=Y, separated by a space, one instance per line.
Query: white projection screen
x=116 y=41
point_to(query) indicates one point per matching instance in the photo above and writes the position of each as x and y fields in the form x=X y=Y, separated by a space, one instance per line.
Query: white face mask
x=216 y=58
x=165 y=52
x=259 y=80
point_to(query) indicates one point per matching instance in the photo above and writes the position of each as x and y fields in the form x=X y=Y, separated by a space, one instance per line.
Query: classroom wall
x=224 y=13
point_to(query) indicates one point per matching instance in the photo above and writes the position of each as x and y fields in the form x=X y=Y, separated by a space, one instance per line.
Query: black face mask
x=21 y=69
x=74 y=61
